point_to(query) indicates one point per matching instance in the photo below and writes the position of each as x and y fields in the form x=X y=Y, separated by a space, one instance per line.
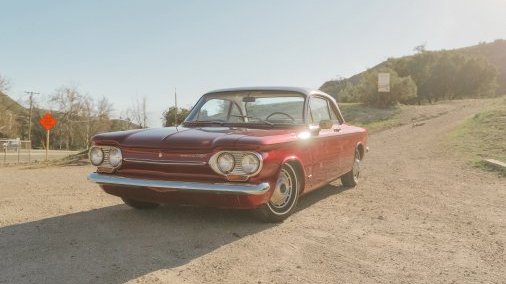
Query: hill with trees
x=476 y=71
x=13 y=117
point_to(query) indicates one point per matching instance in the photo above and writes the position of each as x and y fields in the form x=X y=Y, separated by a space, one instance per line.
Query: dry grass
x=79 y=159
x=378 y=119
x=374 y=119
x=483 y=135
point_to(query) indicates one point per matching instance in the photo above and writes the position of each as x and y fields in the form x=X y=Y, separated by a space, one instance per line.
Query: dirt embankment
x=420 y=214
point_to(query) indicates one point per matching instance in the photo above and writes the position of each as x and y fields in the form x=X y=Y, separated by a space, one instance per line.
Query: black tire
x=284 y=199
x=139 y=204
x=350 y=179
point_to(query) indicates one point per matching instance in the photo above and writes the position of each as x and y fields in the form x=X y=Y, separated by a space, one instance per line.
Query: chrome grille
x=238 y=167
x=106 y=157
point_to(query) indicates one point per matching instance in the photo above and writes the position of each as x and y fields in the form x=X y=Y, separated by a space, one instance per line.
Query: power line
x=30 y=93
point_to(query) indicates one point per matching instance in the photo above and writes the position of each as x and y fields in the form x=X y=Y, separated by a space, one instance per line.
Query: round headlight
x=115 y=157
x=96 y=156
x=226 y=162
x=250 y=163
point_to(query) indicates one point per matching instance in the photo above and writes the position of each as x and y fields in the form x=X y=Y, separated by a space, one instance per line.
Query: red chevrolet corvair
x=245 y=148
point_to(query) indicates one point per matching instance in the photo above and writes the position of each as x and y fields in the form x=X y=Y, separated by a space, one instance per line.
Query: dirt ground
x=421 y=214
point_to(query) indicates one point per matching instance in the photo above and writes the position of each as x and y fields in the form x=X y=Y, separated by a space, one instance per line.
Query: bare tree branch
x=138 y=113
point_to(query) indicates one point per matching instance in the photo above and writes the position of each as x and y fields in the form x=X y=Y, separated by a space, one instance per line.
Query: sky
x=126 y=50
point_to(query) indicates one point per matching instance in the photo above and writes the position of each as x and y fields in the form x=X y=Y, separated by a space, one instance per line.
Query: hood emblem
x=160 y=154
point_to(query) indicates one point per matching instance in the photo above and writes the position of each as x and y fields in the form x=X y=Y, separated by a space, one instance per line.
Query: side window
x=319 y=110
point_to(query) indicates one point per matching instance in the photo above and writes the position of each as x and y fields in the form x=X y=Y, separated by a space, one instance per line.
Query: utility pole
x=30 y=122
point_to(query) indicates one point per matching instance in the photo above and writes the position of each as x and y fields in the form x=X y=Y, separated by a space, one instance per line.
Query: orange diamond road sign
x=47 y=121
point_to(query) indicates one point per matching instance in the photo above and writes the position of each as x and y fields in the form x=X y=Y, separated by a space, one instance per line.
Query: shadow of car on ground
x=115 y=244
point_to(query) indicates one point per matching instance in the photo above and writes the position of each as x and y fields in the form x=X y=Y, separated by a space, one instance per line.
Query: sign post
x=48 y=122
x=47 y=142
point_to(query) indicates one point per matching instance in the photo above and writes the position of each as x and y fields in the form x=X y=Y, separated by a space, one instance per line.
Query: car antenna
x=175 y=106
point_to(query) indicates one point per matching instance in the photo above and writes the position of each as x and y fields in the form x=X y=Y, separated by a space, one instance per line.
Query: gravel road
x=420 y=214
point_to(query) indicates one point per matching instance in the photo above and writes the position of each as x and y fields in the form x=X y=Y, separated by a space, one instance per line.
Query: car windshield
x=254 y=107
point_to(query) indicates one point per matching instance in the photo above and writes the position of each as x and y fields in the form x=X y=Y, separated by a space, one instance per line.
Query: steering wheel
x=282 y=113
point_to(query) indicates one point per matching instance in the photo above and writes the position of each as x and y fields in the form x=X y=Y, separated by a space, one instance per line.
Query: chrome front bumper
x=231 y=188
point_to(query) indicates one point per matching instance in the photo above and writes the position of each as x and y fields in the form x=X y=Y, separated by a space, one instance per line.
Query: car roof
x=304 y=91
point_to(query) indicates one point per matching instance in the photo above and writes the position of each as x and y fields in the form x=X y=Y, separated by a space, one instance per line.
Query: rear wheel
x=350 y=179
x=284 y=198
x=139 y=204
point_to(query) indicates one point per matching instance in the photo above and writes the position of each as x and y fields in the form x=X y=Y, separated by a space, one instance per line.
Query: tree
x=418 y=67
x=79 y=118
x=138 y=113
x=476 y=78
x=348 y=94
x=447 y=75
x=169 y=116
x=333 y=87
x=420 y=48
x=69 y=103
x=402 y=89
x=96 y=115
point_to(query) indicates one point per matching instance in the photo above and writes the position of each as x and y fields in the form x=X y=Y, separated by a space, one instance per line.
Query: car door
x=332 y=152
x=341 y=144
x=323 y=162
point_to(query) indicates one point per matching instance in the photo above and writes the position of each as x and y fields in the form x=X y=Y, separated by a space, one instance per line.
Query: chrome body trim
x=165 y=162
x=223 y=188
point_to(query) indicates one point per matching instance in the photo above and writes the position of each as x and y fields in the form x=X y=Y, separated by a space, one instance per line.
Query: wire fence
x=16 y=151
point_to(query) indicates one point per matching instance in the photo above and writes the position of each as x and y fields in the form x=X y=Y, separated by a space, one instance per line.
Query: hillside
x=494 y=52
x=12 y=117
x=8 y=104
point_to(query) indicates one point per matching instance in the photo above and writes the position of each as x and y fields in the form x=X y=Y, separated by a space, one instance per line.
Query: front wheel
x=139 y=204
x=350 y=179
x=284 y=198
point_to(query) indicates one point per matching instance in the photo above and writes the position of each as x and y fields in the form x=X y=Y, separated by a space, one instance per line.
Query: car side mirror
x=325 y=124
x=314 y=130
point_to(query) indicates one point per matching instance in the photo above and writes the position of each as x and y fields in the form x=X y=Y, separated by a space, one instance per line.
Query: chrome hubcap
x=283 y=191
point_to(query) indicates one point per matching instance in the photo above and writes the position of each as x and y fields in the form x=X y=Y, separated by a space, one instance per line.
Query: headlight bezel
x=106 y=162
x=237 y=169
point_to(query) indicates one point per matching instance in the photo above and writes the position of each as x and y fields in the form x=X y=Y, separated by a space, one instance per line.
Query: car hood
x=195 y=138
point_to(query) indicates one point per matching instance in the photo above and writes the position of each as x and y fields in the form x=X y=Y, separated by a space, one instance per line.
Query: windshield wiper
x=252 y=117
